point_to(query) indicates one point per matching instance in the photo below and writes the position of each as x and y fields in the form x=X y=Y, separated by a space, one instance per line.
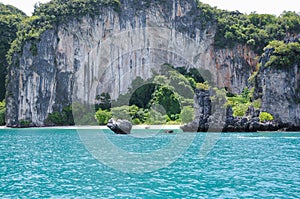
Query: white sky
x=245 y=6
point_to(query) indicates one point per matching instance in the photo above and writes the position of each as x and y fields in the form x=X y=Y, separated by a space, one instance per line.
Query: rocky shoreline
x=207 y=120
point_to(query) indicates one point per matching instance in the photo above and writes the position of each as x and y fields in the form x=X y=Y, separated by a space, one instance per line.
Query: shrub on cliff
x=203 y=86
x=265 y=117
x=284 y=55
x=241 y=103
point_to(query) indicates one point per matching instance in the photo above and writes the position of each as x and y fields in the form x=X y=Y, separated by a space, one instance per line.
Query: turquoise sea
x=65 y=163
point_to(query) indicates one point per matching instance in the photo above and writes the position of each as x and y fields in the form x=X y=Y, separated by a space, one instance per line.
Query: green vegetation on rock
x=203 y=86
x=265 y=117
x=187 y=114
x=255 y=30
x=241 y=103
x=284 y=55
x=49 y=15
x=10 y=19
x=64 y=118
x=2 y=113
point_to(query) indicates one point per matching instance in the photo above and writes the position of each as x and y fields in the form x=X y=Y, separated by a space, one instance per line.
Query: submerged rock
x=169 y=131
x=119 y=126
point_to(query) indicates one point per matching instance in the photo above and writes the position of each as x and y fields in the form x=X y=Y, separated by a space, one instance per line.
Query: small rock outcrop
x=119 y=126
x=207 y=119
x=249 y=123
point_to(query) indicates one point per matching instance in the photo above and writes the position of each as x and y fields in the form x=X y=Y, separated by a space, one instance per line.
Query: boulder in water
x=119 y=126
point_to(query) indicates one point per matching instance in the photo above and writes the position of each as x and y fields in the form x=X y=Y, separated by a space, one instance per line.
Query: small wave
x=290 y=137
x=253 y=137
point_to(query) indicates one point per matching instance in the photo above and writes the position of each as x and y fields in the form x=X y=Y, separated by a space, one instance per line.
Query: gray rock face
x=249 y=123
x=280 y=93
x=119 y=126
x=32 y=89
x=82 y=58
x=228 y=123
x=279 y=90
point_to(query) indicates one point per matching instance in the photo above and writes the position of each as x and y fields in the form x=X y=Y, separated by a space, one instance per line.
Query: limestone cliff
x=280 y=93
x=279 y=89
x=276 y=84
x=83 y=57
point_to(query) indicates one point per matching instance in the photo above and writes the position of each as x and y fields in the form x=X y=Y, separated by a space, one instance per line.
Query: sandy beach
x=105 y=127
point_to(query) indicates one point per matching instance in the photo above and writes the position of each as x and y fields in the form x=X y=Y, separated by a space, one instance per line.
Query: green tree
x=142 y=95
x=168 y=99
x=121 y=112
x=156 y=116
x=187 y=114
x=103 y=116
x=2 y=113
x=181 y=84
x=10 y=19
x=255 y=30
x=63 y=118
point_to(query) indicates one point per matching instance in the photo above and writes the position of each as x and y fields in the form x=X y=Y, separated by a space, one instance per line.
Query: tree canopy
x=10 y=18
x=284 y=54
x=255 y=30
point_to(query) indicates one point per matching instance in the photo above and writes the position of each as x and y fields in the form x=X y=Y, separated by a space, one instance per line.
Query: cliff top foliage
x=10 y=10
x=47 y=15
x=10 y=17
x=283 y=54
x=255 y=30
